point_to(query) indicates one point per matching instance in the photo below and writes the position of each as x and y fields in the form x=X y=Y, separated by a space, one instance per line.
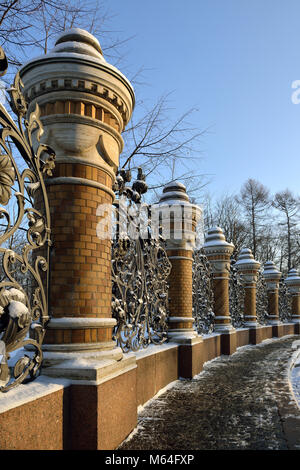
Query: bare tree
x=166 y=149
x=225 y=212
x=153 y=141
x=288 y=204
x=227 y=215
x=28 y=26
x=254 y=199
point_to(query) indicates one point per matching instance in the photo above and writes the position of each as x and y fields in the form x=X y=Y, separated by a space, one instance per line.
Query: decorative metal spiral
x=140 y=270
x=261 y=300
x=236 y=297
x=285 y=302
x=203 y=298
x=24 y=270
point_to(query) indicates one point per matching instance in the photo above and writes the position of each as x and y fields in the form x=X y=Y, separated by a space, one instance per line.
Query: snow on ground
x=242 y=401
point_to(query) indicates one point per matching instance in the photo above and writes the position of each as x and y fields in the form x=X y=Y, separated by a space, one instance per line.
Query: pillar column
x=179 y=219
x=218 y=252
x=248 y=269
x=272 y=277
x=85 y=104
x=293 y=284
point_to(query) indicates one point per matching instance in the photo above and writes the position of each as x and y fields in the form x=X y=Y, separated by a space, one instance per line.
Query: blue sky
x=235 y=61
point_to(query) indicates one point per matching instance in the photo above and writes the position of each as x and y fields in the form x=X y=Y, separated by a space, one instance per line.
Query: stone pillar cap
x=174 y=193
x=75 y=45
x=293 y=277
x=270 y=271
x=215 y=241
x=246 y=260
x=77 y=39
x=186 y=218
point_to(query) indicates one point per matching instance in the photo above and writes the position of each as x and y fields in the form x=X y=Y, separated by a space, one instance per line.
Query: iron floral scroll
x=140 y=270
x=203 y=297
x=23 y=311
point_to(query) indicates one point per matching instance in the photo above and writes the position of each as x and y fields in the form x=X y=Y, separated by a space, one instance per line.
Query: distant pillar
x=218 y=252
x=248 y=269
x=293 y=284
x=272 y=277
x=179 y=219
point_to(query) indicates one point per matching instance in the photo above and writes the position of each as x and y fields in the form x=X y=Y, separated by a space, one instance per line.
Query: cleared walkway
x=243 y=401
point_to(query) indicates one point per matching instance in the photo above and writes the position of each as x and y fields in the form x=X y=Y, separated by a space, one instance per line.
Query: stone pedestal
x=218 y=252
x=179 y=219
x=272 y=277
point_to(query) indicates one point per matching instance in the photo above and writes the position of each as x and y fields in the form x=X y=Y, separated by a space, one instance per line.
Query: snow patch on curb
x=27 y=393
x=294 y=376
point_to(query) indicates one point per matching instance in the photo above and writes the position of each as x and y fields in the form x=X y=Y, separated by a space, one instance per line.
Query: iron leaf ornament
x=140 y=270
x=24 y=267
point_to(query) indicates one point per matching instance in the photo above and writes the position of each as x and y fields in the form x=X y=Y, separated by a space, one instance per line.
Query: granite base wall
x=50 y=414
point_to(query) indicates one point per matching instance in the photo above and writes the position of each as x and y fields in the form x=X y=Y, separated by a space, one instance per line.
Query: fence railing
x=203 y=296
x=140 y=270
x=25 y=230
x=140 y=291
x=140 y=264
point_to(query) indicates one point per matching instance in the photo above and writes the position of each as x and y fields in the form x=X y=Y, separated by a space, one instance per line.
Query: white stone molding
x=80 y=181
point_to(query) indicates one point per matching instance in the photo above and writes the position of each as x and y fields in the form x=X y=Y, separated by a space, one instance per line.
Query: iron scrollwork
x=285 y=302
x=203 y=297
x=236 y=297
x=261 y=300
x=140 y=270
x=24 y=268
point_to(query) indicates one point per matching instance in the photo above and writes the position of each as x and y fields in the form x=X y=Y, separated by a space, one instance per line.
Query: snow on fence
x=24 y=231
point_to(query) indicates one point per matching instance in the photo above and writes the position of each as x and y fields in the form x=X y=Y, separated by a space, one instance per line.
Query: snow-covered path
x=243 y=401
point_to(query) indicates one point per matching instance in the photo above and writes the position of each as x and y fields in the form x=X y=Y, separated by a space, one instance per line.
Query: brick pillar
x=85 y=104
x=293 y=283
x=272 y=277
x=218 y=252
x=179 y=221
x=248 y=269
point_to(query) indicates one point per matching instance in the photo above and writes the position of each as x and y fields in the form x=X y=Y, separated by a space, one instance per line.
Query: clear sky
x=235 y=61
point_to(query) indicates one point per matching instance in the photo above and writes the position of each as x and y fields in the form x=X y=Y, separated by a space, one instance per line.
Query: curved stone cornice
x=80 y=59
x=79 y=323
x=85 y=102
x=79 y=181
x=68 y=88
x=59 y=74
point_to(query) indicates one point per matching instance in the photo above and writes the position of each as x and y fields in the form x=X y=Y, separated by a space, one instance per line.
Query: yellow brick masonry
x=180 y=290
x=81 y=262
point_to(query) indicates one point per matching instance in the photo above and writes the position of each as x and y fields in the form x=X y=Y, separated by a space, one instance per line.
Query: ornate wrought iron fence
x=285 y=302
x=203 y=297
x=23 y=313
x=202 y=294
x=236 y=297
x=261 y=300
x=140 y=270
